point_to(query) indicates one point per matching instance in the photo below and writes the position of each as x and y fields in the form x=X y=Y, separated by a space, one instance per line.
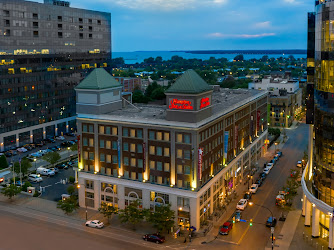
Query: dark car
x=236 y=216
x=271 y=222
x=259 y=182
x=225 y=228
x=8 y=154
x=62 y=166
x=69 y=134
x=248 y=195
x=51 y=140
x=40 y=144
x=263 y=176
x=279 y=153
x=154 y=238
x=65 y=144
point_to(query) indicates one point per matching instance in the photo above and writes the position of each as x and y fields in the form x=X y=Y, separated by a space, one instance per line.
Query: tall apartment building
x=190 y=153
x=45 y=51
x=318 y=178
x=285 y=98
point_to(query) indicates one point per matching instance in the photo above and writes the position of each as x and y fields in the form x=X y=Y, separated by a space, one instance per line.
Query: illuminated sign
x=200 y=162
x=79 y=153
x=180 y=104
x=205 y=102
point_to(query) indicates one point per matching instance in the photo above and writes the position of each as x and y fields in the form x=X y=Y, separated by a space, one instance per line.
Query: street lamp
x=35 y=162
x=272 y=216
x=248 y=181
x=78 y=186
x=276 y=143
x=68 y=152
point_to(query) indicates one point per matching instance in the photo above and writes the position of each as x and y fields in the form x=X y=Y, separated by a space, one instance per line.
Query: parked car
x=40 y=144
x=14 y=152
x=280 y=153
x=34 y=178
x=270 y=165
x=51 y=140
x=242 y=204
x=299 y=164
x=271 y=222
x=259 y=182
x=280 y=198
x=154 y=238
x=273 y=161
x=247 y=195
x=60 y=138
x=266 y=171
x=45 y=171
x=70 y=134
x=94 y=223
x=236 y=215
x=276 y=157
x=263 y=176
x=55 y=169
x=27 y=147
x=36 y=154
x=8 y=154
x=225 y=228
x=62 y=166
x=253 y=188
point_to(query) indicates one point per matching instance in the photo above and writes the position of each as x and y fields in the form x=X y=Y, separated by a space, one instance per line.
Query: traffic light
x=251 y=222
x=233 y=219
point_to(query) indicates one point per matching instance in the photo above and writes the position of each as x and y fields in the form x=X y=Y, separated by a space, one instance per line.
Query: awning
x=4 y=173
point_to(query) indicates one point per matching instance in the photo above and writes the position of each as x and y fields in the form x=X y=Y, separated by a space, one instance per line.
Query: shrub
x=71 y=179
x=36 y=194
x=26 y=185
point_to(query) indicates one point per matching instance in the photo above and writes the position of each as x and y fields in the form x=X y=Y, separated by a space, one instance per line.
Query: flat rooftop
x=223 y=102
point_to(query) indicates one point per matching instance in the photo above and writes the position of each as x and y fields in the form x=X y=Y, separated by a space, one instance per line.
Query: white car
x=299 y=164
x=266 y=171
x=22 y=150
x=253 y=188
x=60 y=138
x=242 y=204
x=270 y=166
x=94 y=223
x=35 y=178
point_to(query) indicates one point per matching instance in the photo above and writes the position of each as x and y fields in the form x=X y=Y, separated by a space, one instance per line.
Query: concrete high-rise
x=45 y=51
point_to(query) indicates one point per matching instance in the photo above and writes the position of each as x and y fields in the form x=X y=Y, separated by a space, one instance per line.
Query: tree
x=138 y=97
x=52 y=157
x=107 y=210
x=163 y=217
x=71 y=190
x=74 y=147
x=3 y=161
x=239 y=58
x=10 y=191
x=132 y=214
x=25 y=166
x=158 y=94
x=68 y=205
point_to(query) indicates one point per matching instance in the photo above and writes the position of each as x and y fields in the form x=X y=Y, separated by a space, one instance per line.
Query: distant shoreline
x=254 y=52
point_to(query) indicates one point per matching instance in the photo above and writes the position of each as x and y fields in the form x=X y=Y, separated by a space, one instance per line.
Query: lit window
x=166 y=136
x=152 y=164
x=133 y=162
x=166 y=168
x=102 y=130
x=179 y=169
x=179 y=138
x=159 y=136
x=133 y=147
x=166 y=152
x=108 y=144
x=91 y=142
x=179 y=153
x=114 y=130
x=108 y=159
x=152 y=150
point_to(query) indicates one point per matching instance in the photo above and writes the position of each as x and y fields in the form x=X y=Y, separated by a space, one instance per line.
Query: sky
x=163 y=25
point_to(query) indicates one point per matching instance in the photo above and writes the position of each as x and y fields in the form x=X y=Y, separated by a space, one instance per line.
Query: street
x=258 y=235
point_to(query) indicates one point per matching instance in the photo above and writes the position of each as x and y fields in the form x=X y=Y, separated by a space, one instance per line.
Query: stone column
x=146 y=198
x=121 y=196
x=97 y=194
x=81 y=192
x=315 y=222
x=76 y=176
x=304 y=205
x=331 y=233
x=308 y=211
x=194 y=213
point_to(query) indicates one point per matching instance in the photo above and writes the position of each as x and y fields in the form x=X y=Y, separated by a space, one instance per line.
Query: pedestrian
x=190 y=237
x=185 y=239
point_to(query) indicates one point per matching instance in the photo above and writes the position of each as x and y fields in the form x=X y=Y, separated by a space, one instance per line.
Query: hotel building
x=318 y=176
x=190 y=153
x=46 y=49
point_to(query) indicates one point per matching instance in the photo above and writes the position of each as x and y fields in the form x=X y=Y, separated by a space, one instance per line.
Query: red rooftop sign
x=204 y=102
x=180 y=104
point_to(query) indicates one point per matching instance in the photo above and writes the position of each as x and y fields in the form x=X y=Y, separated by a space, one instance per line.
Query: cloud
x=263 y=25
x=164 y=5
x=244 y=36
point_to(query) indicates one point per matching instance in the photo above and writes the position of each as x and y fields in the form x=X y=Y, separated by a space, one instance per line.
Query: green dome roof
x=98 y=79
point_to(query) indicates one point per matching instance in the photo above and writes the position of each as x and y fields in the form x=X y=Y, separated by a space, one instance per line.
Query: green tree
x=107 y=210
x=158 y=94
x=68 y=205
x=26 y=185
x=163 y=217
x=132 y=214
x=239 y=58
x=25 y=166
x=52 y=157
x=71 y=190
x=138 y=97
x=74 y=147
x=10 y=191
x=3 y=161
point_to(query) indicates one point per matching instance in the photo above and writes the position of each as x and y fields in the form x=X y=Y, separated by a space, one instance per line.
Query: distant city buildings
x=285 y=98
x=45 y=51
x=130 y=84
x=190 y=153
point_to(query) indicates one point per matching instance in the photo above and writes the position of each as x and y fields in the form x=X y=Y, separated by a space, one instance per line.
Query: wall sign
x=200 y=163
x=205 y=102
x=79 y=153
x=180 y=104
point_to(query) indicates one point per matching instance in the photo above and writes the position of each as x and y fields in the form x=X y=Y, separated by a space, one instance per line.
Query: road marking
x=229 y=242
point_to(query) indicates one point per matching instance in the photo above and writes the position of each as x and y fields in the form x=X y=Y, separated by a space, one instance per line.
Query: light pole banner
x=226 y=135
x=200 y=163
x=144 y=156
x=119 y=153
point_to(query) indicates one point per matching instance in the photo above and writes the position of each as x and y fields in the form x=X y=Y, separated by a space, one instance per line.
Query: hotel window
x=7 y=33
x=101 y=143
x=108 y=144
x=85 y=142
x=159 y=151
x=35 y=16
x=152 y=135
x=6 y=13
x=91 y=156
x=84 y=128
x=90 y=28
x=179 y=169
x=140 y=133
x=179 y=138
x=7 y=23
x=125 y=132
x=125 y=146
x=186 y=169
x=60 y=18
x=114 y=145
x=91 y=142
x=101 y=130
x=126 y=174
x=132 y=147
x=166 y=152
x=35 y=24
x=80 y=20
x=107 y=131
x=102 y=157
x=60 y=34
x=179 y=183
x=140 y=163
x=81 y=35
x=152 y=164
x=187 y=138
x=140 y=177
x=139 y=148
x=91 y=128
x=114 y=131
x=166 y=136
x=187 y=154
x=60 y=26
x=99 y=22
x=35 y=33
x=126 y=161
x=133 y=162
x=108 y=159
x=152 y=150
x=90 y=21
x=114 y=159
x=132 y=133
x=159 y=180
x=89 y=184
x=133 y=175
x=159 y=165
x=159 y=136
x=85 y=155
x=179 y=153
x=166 y=167
x=80 y=27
